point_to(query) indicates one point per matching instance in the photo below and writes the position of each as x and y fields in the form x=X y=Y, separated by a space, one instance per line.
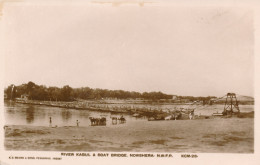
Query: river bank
x=219 y=135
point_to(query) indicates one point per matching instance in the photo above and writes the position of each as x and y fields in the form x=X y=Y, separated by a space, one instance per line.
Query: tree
x=66 y=93
x=10 y=91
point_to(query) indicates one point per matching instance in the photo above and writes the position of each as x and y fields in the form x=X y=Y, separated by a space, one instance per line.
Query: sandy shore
x=231 y=135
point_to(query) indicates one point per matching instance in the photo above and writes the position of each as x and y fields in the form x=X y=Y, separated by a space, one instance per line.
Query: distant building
x=174 y=97
x=23 y=97
x=5 y=96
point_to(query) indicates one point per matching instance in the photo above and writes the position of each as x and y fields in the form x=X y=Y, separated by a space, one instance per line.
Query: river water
x=38 y=115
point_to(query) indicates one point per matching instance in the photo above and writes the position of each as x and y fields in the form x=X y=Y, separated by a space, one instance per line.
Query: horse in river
x=97 y=121
x=93 y=121
x=102 y=121
x=122 y=120
x=114 y=120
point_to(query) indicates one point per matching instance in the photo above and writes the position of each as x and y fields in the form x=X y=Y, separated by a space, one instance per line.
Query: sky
x=195 y=51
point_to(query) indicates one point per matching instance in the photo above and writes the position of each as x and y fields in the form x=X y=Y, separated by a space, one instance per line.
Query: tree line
x=67 y=93
x=205 y=100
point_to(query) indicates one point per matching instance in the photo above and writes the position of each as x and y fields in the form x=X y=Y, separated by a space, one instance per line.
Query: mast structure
x=231 y=104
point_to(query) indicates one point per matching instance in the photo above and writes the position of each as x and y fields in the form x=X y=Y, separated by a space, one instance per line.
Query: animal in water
x=97 y=121
x=92 y=121
x=102 y=121
x=114 y=120
x=122 y=120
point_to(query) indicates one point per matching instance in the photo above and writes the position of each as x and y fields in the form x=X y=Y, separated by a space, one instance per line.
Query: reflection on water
x=66 y=115
x=30 y=114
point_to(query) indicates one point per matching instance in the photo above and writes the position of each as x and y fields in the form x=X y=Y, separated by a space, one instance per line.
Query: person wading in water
x=77 y=123
x=50 y=122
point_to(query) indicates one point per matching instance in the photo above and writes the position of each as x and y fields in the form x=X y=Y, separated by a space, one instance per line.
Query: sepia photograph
x=128 y=77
